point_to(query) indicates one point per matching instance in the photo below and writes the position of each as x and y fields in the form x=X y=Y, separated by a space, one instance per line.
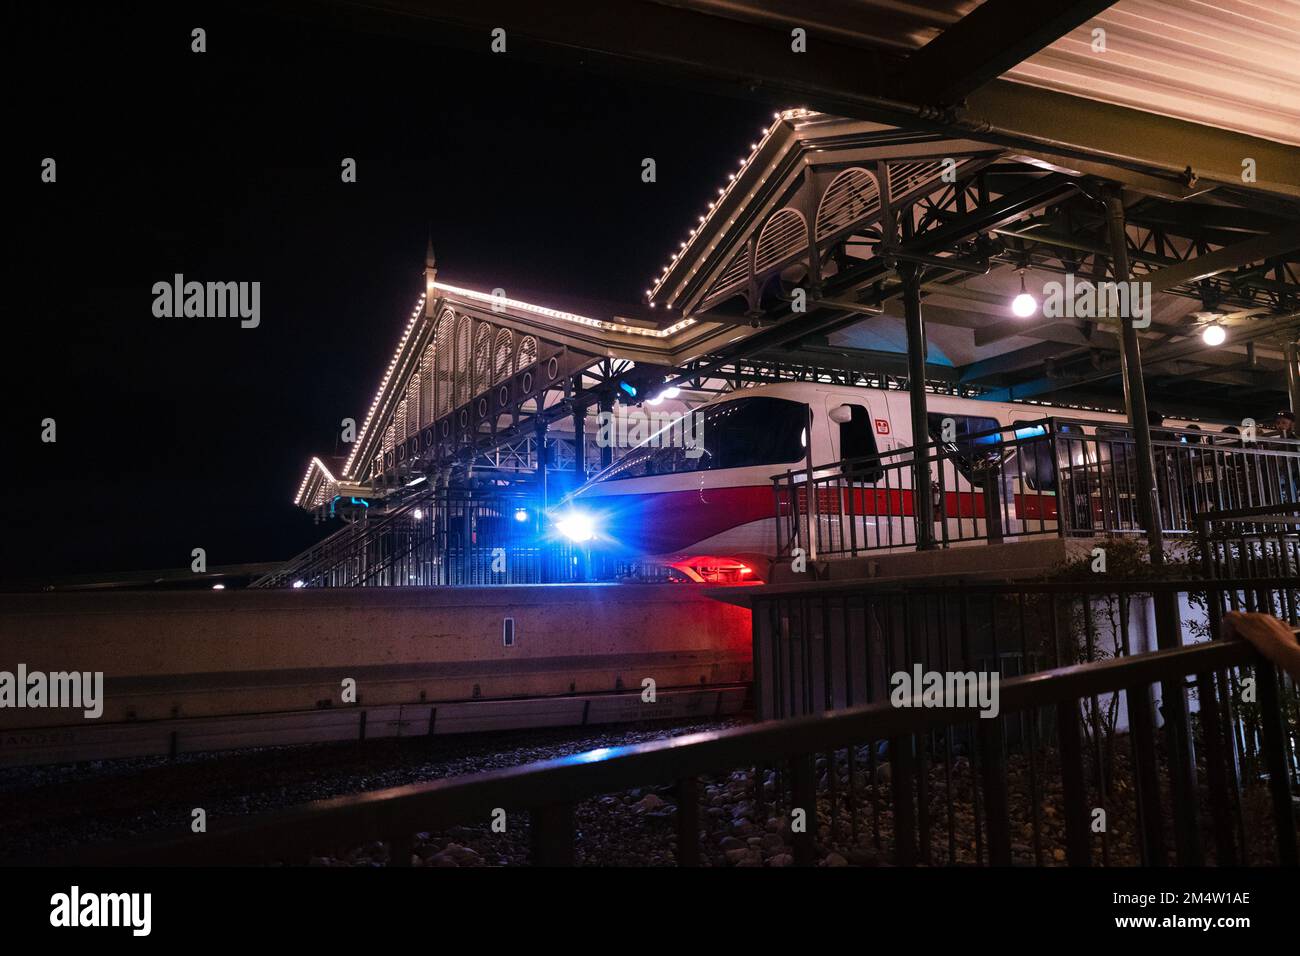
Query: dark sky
x=224 y=166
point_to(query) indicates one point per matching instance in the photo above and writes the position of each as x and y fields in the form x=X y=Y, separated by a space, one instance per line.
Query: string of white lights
x=565 y=316
x=723 y=192
x=383 y=385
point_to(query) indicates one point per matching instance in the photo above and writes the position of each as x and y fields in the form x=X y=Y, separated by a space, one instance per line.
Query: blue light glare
x=577 y=526
x=521 y=514
x=1031 y=431
x=627 y=388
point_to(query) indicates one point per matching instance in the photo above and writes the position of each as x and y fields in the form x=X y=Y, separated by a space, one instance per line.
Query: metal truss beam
x=1174 y=350
x=984 y=44
x=1221 y=260
x=778 y=368
x=716 y=53
x=943 y=236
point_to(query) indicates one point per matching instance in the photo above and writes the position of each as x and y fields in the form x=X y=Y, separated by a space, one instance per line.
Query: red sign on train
x=882 y=426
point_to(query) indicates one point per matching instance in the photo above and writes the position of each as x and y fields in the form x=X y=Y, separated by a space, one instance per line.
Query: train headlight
x=577 y=526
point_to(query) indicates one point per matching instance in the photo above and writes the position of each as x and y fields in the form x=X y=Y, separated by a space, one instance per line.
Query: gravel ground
x=44 y=808
x=638 y=827
x=53 y=807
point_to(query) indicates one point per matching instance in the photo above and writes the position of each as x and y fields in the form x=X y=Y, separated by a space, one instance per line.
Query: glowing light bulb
x=1214 y=334
x=1024 y=305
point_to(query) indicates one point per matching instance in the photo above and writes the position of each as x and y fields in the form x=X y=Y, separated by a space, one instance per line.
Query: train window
x=971 y=448
x=1117 y=448
x=1039 y=459
x=1037 y=463
x=858 y=446
x=736 y=434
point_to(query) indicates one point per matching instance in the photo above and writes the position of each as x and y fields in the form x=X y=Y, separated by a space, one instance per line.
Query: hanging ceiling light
x=1024 y=305
x=1214 y=334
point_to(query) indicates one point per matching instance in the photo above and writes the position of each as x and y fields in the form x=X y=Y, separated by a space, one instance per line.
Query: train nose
x=643 y=524
x=612 y=522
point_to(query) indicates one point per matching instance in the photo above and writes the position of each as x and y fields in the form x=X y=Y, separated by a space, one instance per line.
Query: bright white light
x=672 y=391
x=418 y=514
x=521 y=514
x=297 y=584
x=218 y=587
x=1214 y=335
x=576 y=526
x=1024 y=305
x=657 y=400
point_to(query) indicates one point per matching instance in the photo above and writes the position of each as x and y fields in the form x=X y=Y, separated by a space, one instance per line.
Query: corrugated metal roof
x=882 y=24
x=1234 y=64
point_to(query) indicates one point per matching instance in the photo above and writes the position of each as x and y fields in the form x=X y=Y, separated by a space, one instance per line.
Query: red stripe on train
x=667 y=522
x=898 y=503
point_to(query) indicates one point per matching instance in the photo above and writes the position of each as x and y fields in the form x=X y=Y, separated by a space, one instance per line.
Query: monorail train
x=711 y=513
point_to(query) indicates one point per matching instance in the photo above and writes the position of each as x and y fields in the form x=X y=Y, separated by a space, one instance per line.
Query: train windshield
x=735 y=434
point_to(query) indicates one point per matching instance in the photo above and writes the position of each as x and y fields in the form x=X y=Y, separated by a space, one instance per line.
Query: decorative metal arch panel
x=412 y=406
x=527 y=353
x=853 y=196
x=426 y=385
x=502 y=355
x=784 y=235
x=481 y=371
x=444 y=354
x=462 y=385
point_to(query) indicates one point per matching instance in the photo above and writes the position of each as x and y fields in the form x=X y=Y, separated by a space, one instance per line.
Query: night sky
x=225 y=166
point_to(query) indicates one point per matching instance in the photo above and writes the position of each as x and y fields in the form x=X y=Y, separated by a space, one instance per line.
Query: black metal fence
x=1251 y=542
x=1047 y=477
x=973 y=812
x=828 y=648
x=1081 y=764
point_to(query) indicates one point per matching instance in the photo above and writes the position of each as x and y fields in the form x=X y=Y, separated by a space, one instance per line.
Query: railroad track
x=88 y=740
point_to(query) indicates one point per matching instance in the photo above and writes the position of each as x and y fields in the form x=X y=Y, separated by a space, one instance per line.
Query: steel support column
x=539 y=441
x=1173 y=694
x=922 y=503
x=579 y=445
x=607 y=449
x=1292 y=378
x=1135 y=396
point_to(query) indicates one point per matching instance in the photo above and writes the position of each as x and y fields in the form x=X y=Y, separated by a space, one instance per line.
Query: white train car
x=711 y=512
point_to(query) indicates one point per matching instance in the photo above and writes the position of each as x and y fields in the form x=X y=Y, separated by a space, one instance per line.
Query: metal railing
x=1024 y=786
x=1047 y=477
x=341 y=559
x=830 y=647
x=1256 y=542
x=447 y=537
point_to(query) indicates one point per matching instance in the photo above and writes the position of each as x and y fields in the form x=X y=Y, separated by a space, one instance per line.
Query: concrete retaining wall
x=169 y=655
